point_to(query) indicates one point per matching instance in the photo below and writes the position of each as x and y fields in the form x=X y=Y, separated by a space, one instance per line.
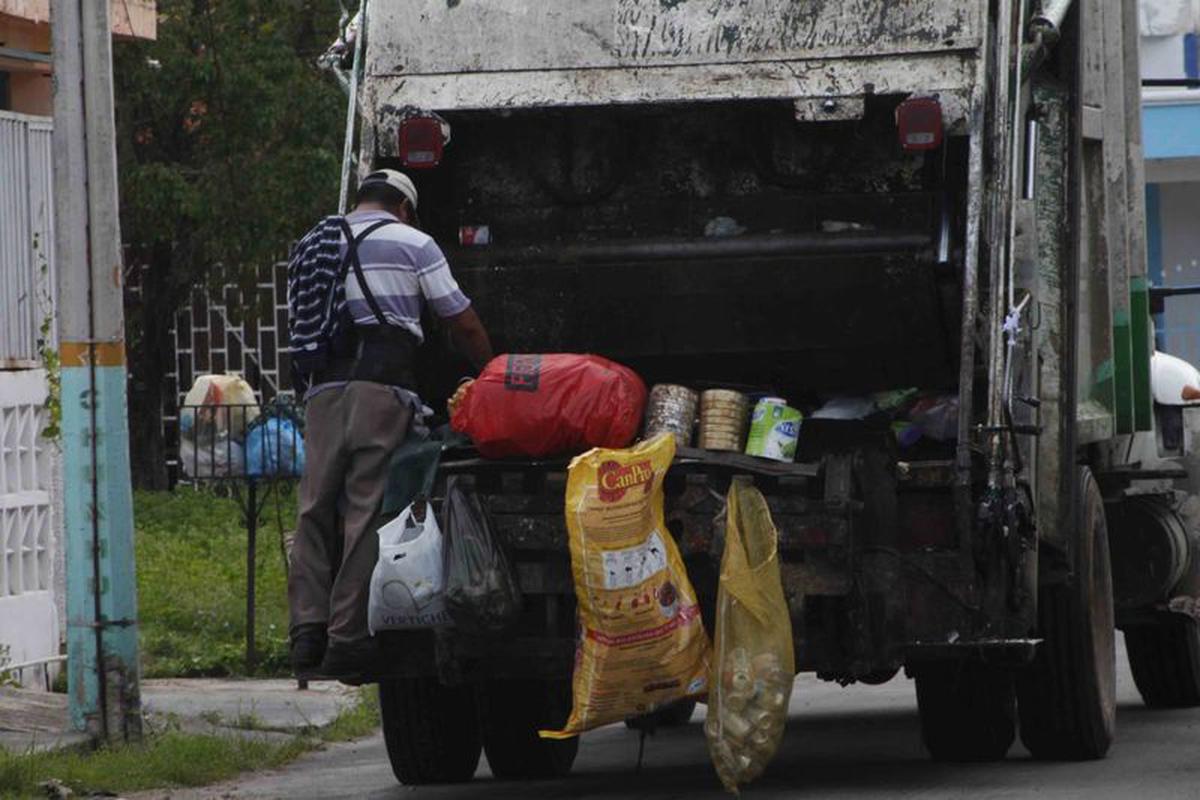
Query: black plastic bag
x=482 y=594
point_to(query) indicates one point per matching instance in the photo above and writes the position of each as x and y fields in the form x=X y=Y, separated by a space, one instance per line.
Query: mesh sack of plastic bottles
x=753 y=663
x=642 y=643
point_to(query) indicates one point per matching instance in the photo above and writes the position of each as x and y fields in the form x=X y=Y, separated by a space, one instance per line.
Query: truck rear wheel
x=1165 y=661
x=1067 y=697
x=513 y=712
x=431 y=731
x=968 y=710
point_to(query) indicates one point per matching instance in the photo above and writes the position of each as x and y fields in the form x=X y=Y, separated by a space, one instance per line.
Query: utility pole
x=102 y=632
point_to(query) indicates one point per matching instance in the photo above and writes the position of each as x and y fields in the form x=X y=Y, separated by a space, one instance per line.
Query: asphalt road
x=857 y=742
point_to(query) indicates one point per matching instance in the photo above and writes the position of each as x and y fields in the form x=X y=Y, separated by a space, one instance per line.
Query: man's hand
x=470 y=338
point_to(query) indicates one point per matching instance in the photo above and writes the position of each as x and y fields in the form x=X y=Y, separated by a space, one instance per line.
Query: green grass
x=170 y=759
x=356 y=722
x=175 y=759
x=191 y=567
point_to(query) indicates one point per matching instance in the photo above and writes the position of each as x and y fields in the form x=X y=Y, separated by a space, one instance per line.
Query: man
x=360 y=404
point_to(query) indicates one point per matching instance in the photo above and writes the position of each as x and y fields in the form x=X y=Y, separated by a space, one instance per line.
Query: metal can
x=774 y=430
x=724 y=415
x=672 y=409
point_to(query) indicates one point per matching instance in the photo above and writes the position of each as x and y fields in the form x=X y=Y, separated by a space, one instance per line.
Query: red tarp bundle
x=544 y=405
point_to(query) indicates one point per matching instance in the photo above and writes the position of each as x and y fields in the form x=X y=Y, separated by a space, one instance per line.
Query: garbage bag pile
x=642 y=644
x=914 y=415
x=224 y=433
x=452 y=574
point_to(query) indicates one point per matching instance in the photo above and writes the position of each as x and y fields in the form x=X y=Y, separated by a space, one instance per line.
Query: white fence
x=25 y=480
x=26 y=236
x=30 y=559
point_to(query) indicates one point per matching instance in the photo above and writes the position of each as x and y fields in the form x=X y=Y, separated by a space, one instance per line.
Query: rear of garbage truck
x=820 y=201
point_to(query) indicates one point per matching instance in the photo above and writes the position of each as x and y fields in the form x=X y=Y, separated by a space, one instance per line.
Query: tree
x=229 y=144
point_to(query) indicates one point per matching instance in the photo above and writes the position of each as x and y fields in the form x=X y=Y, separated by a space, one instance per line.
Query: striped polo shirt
x=404 y=269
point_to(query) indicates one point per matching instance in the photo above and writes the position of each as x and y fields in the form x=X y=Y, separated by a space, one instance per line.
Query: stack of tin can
x=724 y=417
x=672 y=409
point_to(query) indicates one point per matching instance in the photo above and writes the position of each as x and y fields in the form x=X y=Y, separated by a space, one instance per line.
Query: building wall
x=29 y=82
x=25 y=28
x=1171 y=135
x=137 y=19
x=1178 y=234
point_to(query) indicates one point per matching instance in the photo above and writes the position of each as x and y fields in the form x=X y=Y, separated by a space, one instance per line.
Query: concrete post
x=102 y=633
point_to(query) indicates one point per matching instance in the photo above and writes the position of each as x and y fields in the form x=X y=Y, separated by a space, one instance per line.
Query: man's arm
x=470 y=338
x=449 y=303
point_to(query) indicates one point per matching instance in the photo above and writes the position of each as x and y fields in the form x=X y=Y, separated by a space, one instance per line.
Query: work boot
x=307 y=647
x=352 y=663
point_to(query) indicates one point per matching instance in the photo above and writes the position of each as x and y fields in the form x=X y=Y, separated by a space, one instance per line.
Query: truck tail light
x=421 y=142
x=919 y=121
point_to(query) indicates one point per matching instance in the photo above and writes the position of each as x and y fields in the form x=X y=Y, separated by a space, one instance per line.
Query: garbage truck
x=816 y=199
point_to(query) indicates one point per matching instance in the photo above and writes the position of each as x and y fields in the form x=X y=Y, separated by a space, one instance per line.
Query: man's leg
x=376 y=424
x=312 y=567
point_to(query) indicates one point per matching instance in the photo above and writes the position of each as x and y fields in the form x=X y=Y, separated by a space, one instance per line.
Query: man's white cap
x=395 y=179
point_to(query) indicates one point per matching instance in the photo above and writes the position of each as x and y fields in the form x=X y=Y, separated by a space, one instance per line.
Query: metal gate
x=26 y=237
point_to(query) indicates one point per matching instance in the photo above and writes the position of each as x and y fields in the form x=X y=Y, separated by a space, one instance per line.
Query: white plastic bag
x=216 y=458
x=407 y=586
x=203 y=415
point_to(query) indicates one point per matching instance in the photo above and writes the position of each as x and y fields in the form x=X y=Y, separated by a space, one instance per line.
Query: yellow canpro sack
x=641 y=642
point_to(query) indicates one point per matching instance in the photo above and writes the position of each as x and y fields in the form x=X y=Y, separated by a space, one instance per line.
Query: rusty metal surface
x=1118 y=224
x=973 y=274
x=949 y=74
x=557 y=187
x=491 y=55
x=925 y=474
x=452 y=36
x=1051 y=335
x=857 y=596
x=814 y=542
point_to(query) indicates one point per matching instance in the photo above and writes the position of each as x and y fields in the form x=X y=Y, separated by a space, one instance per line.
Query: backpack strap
x=352 y=259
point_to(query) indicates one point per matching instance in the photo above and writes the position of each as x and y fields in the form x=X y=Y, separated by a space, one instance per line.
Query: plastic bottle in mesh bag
x=753 y=665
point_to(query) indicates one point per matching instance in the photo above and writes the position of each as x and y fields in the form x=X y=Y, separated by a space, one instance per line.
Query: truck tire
x=1165 y=661
x=431 y=731
x=1067 y=696
x=512 y=714
x=968 y=710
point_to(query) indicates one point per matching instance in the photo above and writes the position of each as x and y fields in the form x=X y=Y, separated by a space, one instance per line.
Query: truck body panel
x=432 y=37
x=513 y=55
